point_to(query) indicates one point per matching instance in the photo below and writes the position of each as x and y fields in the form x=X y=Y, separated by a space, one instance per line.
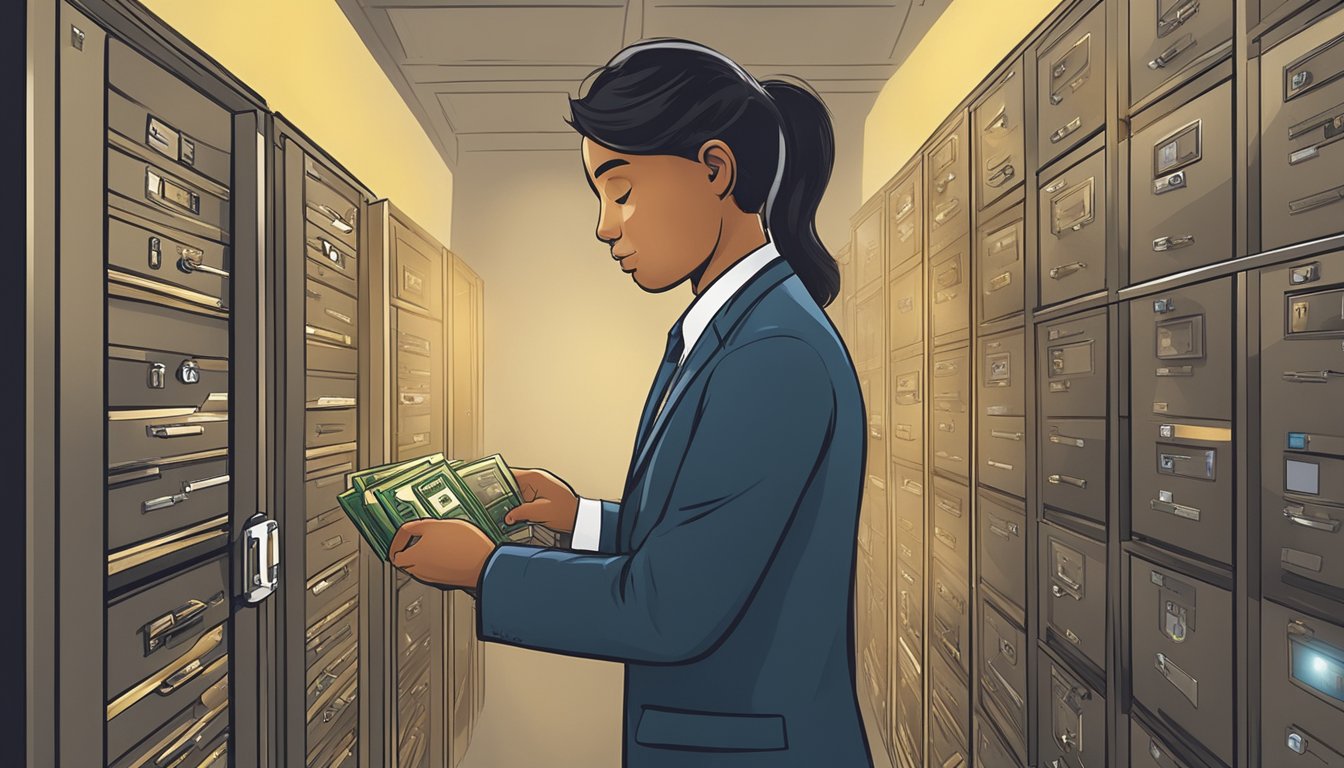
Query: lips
x=620 y=259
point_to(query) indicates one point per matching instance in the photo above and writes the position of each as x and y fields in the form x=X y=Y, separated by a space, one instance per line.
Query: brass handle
x=333 y=542
x=1076 y=482
x=175 y=430
x=1168 y=243
x=1063 y=131
x=190 y=261
x=1063 y=271
x=327 y=583
x=159 y=631
x=1175 y=17
x=1177 y=48
x=325 y=335
x=1000 y=118
x=940 y=186
x=1001 y=176
x=337 y=220
x=1017 y=436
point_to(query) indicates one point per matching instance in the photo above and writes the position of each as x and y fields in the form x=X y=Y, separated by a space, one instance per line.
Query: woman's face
x=661 y=215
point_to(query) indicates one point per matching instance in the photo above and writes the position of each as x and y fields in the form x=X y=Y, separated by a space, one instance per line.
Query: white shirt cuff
x=587 y=526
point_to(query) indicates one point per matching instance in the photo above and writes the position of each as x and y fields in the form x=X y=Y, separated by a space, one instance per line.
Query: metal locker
x=878 y=453
x=998 y=129
x=1002 y=548
x=1071 y=719
x=949 y=295
x=950 y=385
x=947 y=194
x=1001 y=429
x=868 y=253
x=1000 y=259
x=908 y=499
x=907 y=409
x=869 y=348
x=1149 y=751
x=1072 y=228
x=1073 y=592
x=949 y=716
x=1301 y=689
x=1182 y=486
x=905 y=214
x=1181 y=353
x=1168 y=36
x=951 y=541
x=909 y=711
x=1071 y=85
x=1073 y=467
x=1181 y=659
x=906 y=312
x=1003 y=675
x=1072 y=375
x=949 y=616
x=990 y=751
x=1301 y=423
x=910 y=605
x=1301 y=117
x=1180 y=191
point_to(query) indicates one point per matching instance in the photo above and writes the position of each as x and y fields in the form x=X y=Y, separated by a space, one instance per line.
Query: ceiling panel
x=781 y=34
x=512 y=33
x=502 y=112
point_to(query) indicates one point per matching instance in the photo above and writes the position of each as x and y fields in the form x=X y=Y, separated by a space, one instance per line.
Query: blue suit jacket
x=724 y=580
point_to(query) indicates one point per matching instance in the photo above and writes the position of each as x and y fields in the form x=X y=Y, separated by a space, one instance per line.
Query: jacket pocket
x=686 y=729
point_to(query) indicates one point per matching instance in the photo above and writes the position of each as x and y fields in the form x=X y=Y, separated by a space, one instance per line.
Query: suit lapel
x=704 y=351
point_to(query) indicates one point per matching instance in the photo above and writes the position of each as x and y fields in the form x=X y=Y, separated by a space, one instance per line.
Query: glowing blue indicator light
x=1297 y=441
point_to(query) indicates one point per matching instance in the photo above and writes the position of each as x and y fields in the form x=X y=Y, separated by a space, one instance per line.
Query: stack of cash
x=481 y=492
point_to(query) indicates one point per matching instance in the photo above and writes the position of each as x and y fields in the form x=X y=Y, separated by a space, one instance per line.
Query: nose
x=608 y=225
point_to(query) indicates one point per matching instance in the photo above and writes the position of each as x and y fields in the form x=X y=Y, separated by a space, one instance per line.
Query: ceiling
x=495 y=75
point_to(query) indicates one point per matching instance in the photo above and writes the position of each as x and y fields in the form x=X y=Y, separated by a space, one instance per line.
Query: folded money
x=379 y=500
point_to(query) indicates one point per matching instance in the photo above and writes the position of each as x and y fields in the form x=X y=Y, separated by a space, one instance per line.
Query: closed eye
x=621 y=200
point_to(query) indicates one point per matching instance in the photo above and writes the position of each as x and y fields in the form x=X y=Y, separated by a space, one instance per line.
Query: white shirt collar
x=725 y=286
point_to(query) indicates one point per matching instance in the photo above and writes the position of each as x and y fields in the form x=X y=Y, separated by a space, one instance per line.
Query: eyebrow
x=607 y=166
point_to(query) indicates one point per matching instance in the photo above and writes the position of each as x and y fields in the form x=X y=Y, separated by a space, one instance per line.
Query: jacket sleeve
x=607 y=536
x=763 y=423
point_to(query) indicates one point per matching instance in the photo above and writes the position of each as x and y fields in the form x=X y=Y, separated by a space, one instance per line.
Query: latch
x=261 y=558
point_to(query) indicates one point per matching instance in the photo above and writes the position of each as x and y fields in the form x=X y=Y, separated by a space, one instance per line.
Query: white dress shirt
x=588 y=521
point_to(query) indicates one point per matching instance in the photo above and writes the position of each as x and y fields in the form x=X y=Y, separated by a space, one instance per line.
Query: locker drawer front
x=1073 y=366
x=325 y=481
x=1180 y=192
x=907 y=307
x=950 y=384
x=910 y=553
x=1301 y=122
x=195 y=736
x=1003 y=386
x=947 y=742
x=910 y=712
x=1002 y=441
x=329 y=426
x=331 y=313
x=330 y=204
x=329 y=633
x=947 y=166
x=1071 y=717
x=868 y=345
x=146 y=503
x=1073 y=230
x=1302 y=696
x=341 y=748
x=156 y=628
x=1182 y=663
x=326 y=392
x=1003 y=547
x=412 y=651
x=144 y=378
x=951 y=540
x=135 y=437
x=1166 y=37
x=330 y=670
x=1071 y=86
x=332 y=587
x=1073 y=466
x=1148 y=751
x=949 y=617
x=325 y=356
x=907 y=410
x=330 y=260
x=878 y=452
x=138 y=246
x=910 y=603
x=415 y=605
x=904 y=214
x=1302 y=426
x=908 y=490
x=868 y=253
x=168 y=194
x=153 y=325
x=999 y=128
x=1073 y=591
x=1001 y=256
x=417 y=272
x=949 y=290
x=335 y=713
x=330 y=543
x=1003 y=674
x=1181 y=352
x=1182 y=486
x=990 y=751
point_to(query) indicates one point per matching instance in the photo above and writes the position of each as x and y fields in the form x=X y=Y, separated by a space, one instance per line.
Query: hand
x=547 y=500
x=447 y=553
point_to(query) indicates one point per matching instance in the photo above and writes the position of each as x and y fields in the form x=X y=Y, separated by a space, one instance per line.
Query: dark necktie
x=662 y=384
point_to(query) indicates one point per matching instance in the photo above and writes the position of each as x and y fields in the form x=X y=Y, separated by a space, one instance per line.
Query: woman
x=723 y=578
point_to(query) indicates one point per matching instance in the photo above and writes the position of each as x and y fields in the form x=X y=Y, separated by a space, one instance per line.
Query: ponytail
x=791 y=211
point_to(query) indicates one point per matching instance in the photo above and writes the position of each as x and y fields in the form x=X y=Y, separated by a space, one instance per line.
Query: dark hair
x=668 y=96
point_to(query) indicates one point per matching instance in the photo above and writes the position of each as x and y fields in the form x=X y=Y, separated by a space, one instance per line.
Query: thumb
x=528 y=512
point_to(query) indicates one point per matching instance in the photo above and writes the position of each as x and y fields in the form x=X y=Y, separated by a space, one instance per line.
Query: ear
x=720 y=167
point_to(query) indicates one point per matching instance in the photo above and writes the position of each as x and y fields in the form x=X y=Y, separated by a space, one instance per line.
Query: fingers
x=402 y=539
x=528 y=512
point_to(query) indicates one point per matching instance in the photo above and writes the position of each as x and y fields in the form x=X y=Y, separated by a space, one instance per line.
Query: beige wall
x=306 y=60
x=961 y=48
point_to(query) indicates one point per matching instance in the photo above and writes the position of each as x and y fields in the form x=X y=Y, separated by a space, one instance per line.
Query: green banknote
x=491 y=483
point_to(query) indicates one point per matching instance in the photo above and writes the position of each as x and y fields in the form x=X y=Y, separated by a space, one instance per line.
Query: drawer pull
x=1179 y=678
x=325 y=335
x=1182 y=45
x=176 y=752
x=191 y=261
x=912 y=487
x=337 y=220
x=1168 y=243
x=1076 y=482
x=1172 y=508
x=1016 y=436
x=175 y=430
x=187 y=667
x=330 y=581
x=414 y=608
x=204 y=300
x=1001 y=176
x=1297 y=514
x=1003 y=683
x=1006 y=533
x=171 y=194
x=1064 y=270
x=328 y=677
x=1000 y=119
x=940 y=186
x=329 y=429
x=1063 y=131
x=333 y=542
x=951 y=509
x=1175 y=17
x=1310 y=377
x=163 y=502
x=1319 y=200
x=946 y=211
x=159 y=631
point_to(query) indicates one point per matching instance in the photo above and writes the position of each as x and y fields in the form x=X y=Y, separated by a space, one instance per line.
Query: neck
x=741 y=235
